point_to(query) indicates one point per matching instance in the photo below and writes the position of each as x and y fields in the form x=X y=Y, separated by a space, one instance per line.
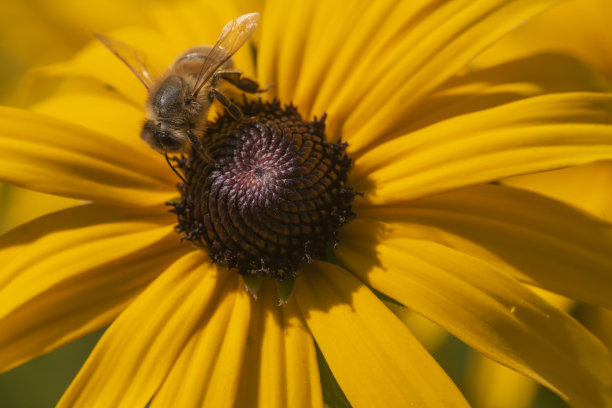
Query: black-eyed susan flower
x=369 y=97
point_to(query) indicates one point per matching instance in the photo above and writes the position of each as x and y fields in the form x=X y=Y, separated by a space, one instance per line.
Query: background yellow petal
x=207 y=371
x=56 y=157
x=70 y=273
x=138 y=350
x=96 y=62
x=540 y=241
x=280 y=367
x=485 y=308
x=371 y=353
x=37 y=32
x=535 y=134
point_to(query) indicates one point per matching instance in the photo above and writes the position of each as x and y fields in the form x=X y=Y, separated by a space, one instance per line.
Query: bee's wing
x=234 y=35
x=134 y=59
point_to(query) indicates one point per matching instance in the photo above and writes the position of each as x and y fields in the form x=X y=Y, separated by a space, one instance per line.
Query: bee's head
x=163 y=138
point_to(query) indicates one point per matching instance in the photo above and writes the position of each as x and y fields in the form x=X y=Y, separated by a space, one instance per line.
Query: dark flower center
x=274 y=196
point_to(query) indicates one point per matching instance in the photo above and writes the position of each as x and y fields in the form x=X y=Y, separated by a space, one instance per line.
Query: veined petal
x=540 y=241
x=69 y=273
x=136 y=353
x=487 y=309
x=280 y=367
x=535 y=134
x=207 y=372
x=56 y=157
x=285 y=25
x=331 y=51
x=397 y=54
x=370 y=352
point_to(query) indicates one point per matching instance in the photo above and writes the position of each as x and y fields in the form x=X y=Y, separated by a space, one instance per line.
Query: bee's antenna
x=173 y=169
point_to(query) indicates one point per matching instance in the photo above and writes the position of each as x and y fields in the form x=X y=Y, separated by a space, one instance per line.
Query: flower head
x=430 y=232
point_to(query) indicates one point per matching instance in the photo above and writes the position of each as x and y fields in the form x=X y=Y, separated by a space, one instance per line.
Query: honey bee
x=179 y=100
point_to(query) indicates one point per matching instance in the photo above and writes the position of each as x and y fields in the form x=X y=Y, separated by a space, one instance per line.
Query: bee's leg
x=199 y=147
x=173 y=169
x=235 y=78
x=231 y=107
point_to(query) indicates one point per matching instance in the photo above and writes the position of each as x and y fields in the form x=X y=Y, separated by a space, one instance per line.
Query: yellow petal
x=56 y=157
x=486 y=88
x=534 y=134
x=578 y=28
x=20 y=206
x=136 y=353
x=370 y=352
x=540 y=241
x=39 y=32
x=485 y=308
x=94 y=106
x=435 y=50
x=280 y=367
x=340 y=34
x=96 y=62
x=69 y=273
x=388 y=55
x=284 y=26
x=207 y=371
x=570 y=185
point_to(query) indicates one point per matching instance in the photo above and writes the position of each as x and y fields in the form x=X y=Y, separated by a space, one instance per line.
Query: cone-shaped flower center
x=274 y=196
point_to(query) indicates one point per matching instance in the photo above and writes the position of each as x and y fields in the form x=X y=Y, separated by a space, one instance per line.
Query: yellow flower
x=431 y=233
